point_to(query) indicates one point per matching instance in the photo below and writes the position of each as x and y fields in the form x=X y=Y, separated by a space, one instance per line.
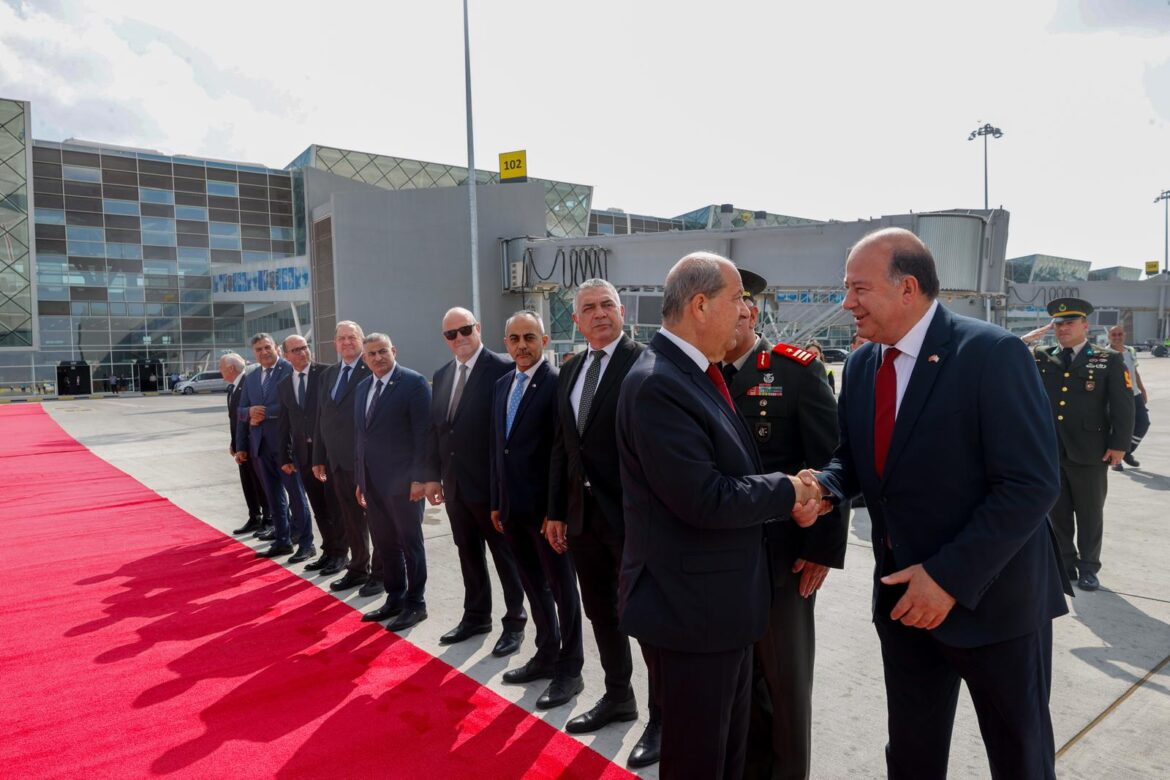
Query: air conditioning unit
x=516 y=275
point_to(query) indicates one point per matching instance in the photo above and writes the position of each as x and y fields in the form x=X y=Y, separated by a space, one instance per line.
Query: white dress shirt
x=910 y=346
x=455 y=377
x=530 y=373
x=689 y=349
x=579 y=385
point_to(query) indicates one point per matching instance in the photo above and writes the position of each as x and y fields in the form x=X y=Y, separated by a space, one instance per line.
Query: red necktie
x=885 y=408
x=717 y=377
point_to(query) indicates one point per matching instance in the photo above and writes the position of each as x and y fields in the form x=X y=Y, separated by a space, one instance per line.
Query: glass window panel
x=158 y=267
x=158 y=224
x=194 y=253
x=281 y=234
x=124 y=251
x=50 y=216
x=224 y=242
x=156 y=238
x=257 y=257
x=157 y=196
x=77 y=173
x=85 y=234
x=224 y=229
x=87 y=249
x=126 y=207
x=191 y=212
x=223 y=188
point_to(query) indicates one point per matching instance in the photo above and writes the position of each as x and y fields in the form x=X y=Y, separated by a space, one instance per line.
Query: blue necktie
x=264 y=381
x=514 y=402
x=342 y=384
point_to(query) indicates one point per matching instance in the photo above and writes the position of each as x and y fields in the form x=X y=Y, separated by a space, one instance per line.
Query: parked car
x=835 y=355
x=203 y=382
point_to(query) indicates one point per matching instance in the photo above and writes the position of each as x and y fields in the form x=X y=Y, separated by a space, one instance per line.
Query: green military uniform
x=1092 y=404
x=783 y=395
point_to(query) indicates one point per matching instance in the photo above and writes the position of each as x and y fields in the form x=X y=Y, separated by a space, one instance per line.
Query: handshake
x=811 y=499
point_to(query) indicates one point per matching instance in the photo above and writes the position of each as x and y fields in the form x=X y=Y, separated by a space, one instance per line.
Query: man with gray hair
x=231 y=368
x=585 y=502
x=694 y=583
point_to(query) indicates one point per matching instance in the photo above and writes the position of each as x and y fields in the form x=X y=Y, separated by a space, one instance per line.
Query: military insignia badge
x=1090 y=386
x=773 y=391
x=1128 y=380
x=763 y=431
x=769 y=378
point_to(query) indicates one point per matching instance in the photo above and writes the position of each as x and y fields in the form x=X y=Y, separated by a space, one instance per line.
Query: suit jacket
x=1092 y=402
x=694 y=576
x=970 y=475
x=390 y=449
x=333 y=437
x=519 y=460
x=299 y=424
x=457 y=453
x=790 y=409
x=266 y=435
x=233 y=412
x=590 y=455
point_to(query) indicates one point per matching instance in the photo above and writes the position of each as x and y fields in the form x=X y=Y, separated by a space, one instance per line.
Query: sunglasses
x=462 y=331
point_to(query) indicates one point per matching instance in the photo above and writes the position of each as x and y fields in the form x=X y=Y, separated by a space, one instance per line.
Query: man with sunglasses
x=457 y=474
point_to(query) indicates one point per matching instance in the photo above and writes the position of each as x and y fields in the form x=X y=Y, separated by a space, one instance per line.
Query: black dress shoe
x=383 y=612
x=318 y=564
x=303 y=553
x=267 y=534
x=533 y=670
x=560 y=691
x=275 y=550
x=372 y=587
x=463 y=631
x=250 y=527
x=334 y=566
x=606 y=711
x=1088 y=581
x=347 y=582
x=508 y=643
x=1130 y=460
x=408 y=618
x=648 y=750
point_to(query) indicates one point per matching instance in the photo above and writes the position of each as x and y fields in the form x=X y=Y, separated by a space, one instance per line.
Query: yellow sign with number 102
x=514 y=166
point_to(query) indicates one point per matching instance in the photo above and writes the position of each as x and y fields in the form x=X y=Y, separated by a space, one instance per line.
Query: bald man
x=945 y=430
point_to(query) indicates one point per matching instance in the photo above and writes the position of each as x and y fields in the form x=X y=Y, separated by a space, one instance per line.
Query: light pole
x=471 y=169
x=986 y=130
x=1165 y=197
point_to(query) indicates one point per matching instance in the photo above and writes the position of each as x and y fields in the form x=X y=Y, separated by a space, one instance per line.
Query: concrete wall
x=402 y=258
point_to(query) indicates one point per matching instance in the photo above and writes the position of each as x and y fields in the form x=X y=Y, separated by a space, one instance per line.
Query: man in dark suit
x=333 y=449
x=782 y=393
x=694 y=582
x=458 y=476
x=585 y=502
x=1091 y=395
x=946 y=431
x=298 y=397
x=231 y=368
x=391 y=413
x=258 y=434
x=524 y=421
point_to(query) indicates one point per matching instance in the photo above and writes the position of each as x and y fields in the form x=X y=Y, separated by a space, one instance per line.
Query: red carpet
x=135 y=640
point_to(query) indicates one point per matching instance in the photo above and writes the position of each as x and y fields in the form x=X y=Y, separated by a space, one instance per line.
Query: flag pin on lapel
x=932 y=359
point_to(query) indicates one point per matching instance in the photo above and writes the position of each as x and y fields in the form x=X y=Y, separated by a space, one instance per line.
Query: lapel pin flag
x=932 y=359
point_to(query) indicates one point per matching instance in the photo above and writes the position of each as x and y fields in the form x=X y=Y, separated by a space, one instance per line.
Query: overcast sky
x=827 y=110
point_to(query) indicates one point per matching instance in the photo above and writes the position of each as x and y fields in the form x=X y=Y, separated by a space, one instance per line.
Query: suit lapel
x=526 y=399
x=930 y=360
x=387 y=389
x=622 y=355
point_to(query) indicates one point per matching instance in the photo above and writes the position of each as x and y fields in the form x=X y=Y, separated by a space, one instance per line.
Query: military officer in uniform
x=1092 y=400
x=783 y=395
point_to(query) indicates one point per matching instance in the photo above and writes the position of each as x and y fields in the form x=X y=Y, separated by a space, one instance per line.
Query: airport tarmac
x=1111 y=677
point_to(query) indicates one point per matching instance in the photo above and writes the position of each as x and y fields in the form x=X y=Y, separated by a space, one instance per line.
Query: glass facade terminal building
x=129 y=263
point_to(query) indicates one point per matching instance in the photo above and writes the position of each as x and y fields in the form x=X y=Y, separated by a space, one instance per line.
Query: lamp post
x=986 y=130
x=1165 y=198
x=471 y=169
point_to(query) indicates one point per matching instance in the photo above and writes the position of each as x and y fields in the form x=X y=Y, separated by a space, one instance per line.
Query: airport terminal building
x=120 y=262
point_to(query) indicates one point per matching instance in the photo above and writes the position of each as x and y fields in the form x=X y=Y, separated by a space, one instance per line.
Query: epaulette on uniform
x=801 y=356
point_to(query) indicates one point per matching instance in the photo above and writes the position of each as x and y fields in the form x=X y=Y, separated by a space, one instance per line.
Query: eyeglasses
x=461 y=331
x=300 y=349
